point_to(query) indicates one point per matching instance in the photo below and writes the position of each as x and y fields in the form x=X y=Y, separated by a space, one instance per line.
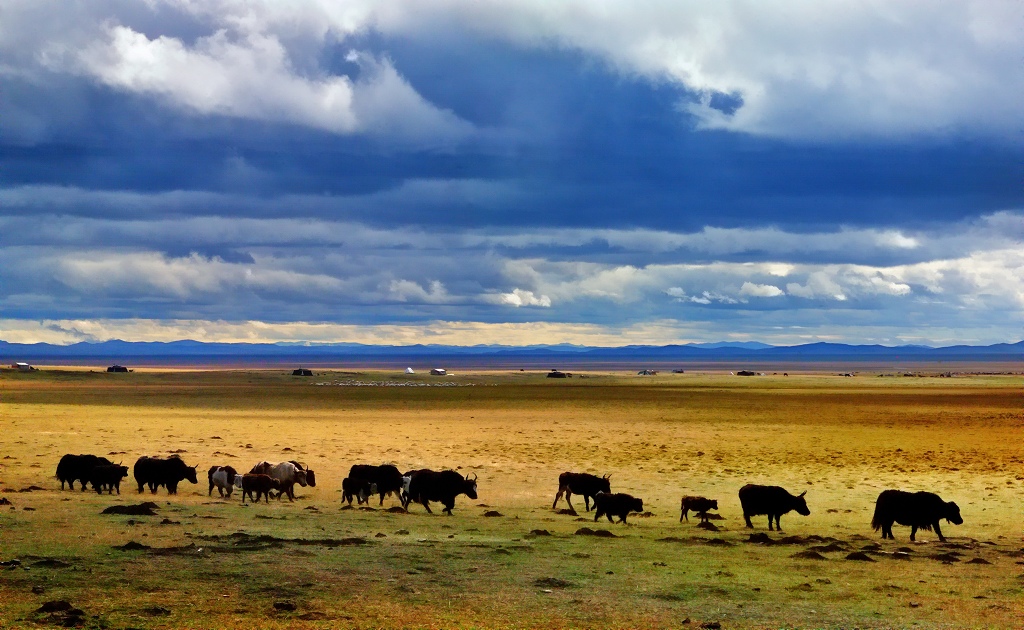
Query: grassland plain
x=211 y=563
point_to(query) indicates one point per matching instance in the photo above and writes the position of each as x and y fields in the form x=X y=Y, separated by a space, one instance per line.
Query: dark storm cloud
x=236 y=161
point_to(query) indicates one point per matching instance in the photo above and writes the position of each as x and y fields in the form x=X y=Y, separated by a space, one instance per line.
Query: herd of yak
x=918 y=510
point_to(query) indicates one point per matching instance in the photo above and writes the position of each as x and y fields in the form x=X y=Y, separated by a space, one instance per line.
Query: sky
x=596 y=172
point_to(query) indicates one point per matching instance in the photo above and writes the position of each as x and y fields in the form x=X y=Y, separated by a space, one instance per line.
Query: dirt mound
x=761 y=538
x=552 y=582
x=568 y=512
x=600 y=533
x=539 y=532
x=711 y=527
x=395 y=510
x=50 y=563
x=829 y=548
x=861 y=556
x=131 y=545
x=138 y=509
x=978 y=561
x=808 y=554
x=493 y=513
x=717 y=542
x=946 y=558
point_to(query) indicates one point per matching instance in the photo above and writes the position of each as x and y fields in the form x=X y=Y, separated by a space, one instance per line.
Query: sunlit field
x=212 y=562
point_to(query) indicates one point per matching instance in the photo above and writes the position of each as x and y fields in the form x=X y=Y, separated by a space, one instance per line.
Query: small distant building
x=302 y=372
x=23 y=367
x=409 y=370
x=117 y=368
x=438 y=372
x=647 y=373
x=557 y=374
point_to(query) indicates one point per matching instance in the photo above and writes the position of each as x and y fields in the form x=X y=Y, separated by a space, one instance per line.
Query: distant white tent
x=409 y=370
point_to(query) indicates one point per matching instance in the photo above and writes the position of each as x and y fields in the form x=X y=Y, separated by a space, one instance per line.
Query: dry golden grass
x=842 y=440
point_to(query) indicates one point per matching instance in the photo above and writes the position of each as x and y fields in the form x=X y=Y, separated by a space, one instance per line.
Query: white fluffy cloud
x=518 y=298
x=250 y=69
x=802 y=69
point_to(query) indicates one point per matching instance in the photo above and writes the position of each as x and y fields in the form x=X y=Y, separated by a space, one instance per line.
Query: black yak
x=108 y=477
x=570 y=483
x=771 y=500
x=72 y=468
x=919 y=510
x=619 y=504
x=699 y=505
x=156 y=472
x=258 y=485
x=427 y=485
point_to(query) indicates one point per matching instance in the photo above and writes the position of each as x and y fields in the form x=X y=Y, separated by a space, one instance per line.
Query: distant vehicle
x=302 y=372
x=557 y=374
x=117 y=368
x=679 y=371
x=438 y=372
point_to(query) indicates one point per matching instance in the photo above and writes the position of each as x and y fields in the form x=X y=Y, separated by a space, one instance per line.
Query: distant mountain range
x=564 y=354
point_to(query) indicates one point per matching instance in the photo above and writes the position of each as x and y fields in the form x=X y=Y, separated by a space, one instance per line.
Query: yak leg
x=770 y=517
x=426 y=505
x=913 y=532
x=561 y=491
x=938 y=531
x=568 y=496
x=778 y=522
x=586 y=502
x=746 y=517
x=448 y=507
x=685 y=514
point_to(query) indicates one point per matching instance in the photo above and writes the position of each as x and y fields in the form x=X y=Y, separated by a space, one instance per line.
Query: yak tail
x=876 y=519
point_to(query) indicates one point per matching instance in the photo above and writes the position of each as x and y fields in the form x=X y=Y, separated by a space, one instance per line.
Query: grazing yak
x=156 y=472
x=919 y=510
x=256 y=485
x=771 y=500
x=222 y=478
x=72 y=468
x=108 y=477
x=700 y=507
x=588 y=485
x=384 y=480
x=618 y=504
x=287 y=475
x=426 y=486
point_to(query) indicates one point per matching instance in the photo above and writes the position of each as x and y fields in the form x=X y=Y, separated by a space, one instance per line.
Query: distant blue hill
x=196 y=351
